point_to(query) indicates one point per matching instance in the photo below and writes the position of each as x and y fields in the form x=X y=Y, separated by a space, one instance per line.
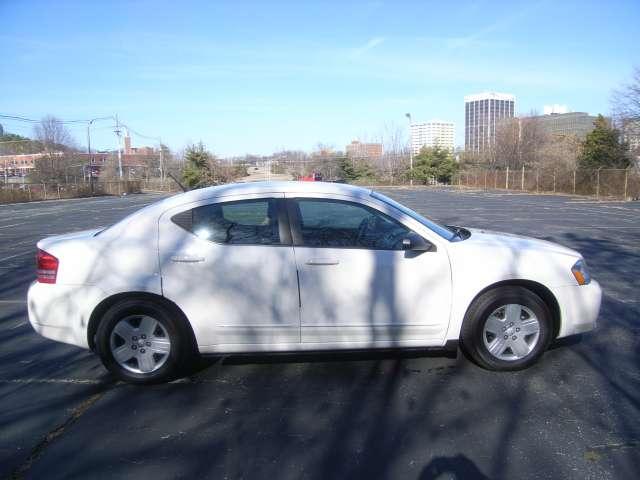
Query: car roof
x=267 y=187
x=156 y=209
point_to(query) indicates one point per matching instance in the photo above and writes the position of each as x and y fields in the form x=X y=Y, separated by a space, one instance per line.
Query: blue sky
x=254 y=77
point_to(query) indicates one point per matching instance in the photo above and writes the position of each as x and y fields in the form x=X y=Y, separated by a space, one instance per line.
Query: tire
x=498 y=329
x=159 y=352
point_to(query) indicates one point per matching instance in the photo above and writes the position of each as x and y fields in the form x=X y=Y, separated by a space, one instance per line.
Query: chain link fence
x=614 y=184
x=157 y=185
x=30 y=192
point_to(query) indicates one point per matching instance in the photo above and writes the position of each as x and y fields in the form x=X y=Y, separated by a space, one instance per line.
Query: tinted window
x=246 y=222
x=334 y=223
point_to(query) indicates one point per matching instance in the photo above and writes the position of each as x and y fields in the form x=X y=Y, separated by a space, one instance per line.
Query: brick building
x=357 y=149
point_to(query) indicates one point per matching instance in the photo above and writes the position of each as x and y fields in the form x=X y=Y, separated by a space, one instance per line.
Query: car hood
x=56 y=239
x=517 y=242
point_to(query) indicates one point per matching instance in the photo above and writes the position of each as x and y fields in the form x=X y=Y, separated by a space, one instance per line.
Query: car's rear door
x=358 y=287
x=229 y=265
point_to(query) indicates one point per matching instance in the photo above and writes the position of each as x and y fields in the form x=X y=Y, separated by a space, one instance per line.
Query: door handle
x=322 y=261
x=186 y=259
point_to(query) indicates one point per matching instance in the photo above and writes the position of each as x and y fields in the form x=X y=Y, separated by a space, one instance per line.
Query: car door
x=229 y=265
x=358 y=286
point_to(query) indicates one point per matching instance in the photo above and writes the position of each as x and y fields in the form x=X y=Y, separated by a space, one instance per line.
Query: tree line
x=520 y=142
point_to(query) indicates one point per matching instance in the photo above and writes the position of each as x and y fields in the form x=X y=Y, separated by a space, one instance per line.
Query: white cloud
x=370 y=45
x=555 y=108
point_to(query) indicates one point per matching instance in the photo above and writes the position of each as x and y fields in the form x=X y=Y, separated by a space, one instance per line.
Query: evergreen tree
x=197 y=172
x=434 y=163
x=602 y=148
x=347 y=169
x=355 y=170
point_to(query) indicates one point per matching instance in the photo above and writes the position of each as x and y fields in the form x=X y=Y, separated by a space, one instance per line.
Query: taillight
x=47 y=267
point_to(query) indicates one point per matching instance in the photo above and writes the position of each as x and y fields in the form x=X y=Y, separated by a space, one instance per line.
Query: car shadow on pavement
x=457 y=467
x=207 y=361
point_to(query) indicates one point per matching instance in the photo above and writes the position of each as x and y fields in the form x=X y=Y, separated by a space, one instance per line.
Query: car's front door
x=358 y=286
x=229 y=265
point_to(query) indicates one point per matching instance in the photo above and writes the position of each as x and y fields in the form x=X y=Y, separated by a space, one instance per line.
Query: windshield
x=430 y=224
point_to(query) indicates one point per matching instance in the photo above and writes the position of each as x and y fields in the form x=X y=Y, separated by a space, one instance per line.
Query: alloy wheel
x=140 y=344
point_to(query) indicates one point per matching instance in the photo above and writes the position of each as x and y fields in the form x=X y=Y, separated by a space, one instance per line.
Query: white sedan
x=266 y=267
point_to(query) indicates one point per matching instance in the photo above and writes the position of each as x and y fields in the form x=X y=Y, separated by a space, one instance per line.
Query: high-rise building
x=482 y=113
x=432 y=134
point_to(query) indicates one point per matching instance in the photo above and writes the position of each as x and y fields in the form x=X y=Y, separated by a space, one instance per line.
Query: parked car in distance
x=302 y=266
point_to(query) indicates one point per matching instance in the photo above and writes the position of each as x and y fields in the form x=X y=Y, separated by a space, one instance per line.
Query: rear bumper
x=62 y=312
x=579 y=307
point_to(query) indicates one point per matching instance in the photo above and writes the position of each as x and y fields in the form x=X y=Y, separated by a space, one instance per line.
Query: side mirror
x=416 y=243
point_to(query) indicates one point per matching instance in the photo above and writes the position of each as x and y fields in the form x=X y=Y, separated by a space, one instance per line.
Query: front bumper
x=579 y=307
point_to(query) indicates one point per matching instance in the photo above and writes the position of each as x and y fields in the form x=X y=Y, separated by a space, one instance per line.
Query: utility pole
x=408 y=115
x=89 y=155
x=118 y=133
x=161 y=164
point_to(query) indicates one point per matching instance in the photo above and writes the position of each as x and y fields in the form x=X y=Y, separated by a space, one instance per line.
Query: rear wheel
x=140 y=341
x=507 y=328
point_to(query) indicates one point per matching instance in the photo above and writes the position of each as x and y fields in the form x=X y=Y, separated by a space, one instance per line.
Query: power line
x=13 y=117
x=31 y=120
x=139 y=134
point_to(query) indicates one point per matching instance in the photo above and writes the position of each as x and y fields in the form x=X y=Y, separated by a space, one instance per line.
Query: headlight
x=581 y=273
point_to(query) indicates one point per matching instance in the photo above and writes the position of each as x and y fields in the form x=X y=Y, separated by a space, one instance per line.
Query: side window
x=244 y=222
x=336 y=223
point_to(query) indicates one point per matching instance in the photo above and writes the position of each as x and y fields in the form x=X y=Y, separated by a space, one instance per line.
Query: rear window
x=245 y=222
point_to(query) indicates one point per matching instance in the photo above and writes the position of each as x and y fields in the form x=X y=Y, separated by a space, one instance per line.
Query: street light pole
x=408 y=115
x=89 y=123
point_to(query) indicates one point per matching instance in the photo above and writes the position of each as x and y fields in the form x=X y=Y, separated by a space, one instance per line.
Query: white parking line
x=81 y=381
x=17 y=255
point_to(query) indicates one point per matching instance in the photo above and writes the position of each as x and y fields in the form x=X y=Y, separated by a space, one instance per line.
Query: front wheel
x=507 y=328
x=141 y=342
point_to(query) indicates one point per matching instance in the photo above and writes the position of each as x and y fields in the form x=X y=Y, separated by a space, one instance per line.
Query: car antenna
x=172 y=176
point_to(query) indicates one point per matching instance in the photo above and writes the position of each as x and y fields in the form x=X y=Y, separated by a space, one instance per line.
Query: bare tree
x=394 y=139
x=625 y=105
x=52 y=134
x=625 y=101
x=532 y=140
x=55 y=141
x=519 y=142
x=560 y=152
x=505 y=150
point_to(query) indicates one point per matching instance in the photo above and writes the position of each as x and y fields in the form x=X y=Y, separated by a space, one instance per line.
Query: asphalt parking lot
x=411 y=415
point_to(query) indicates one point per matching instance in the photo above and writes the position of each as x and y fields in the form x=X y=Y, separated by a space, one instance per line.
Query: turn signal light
x=47 y=267
x=580 y=273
